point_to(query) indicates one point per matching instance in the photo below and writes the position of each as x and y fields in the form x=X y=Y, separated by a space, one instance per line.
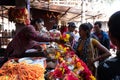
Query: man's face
x=71 y=29
x=40 y=25
x=96 y=28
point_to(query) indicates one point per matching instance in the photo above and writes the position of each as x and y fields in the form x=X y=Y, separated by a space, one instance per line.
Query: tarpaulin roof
x=68 y=13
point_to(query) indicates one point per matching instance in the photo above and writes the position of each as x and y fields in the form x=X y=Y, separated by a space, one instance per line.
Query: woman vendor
x=26 y=36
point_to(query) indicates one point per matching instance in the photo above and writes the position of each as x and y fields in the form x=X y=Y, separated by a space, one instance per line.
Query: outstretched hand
x=59 y=41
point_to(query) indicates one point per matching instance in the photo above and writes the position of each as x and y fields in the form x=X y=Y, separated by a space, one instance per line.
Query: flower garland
x=70 y=67
x=65 y=37
x=21 y=71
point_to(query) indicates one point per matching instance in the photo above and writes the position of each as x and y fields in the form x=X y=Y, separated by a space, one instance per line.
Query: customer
x=86 y=47
x=63 y=29
x=71 y=28
x=110 y=69
x=91 y=31
x=77 y=36
x=26 y=36
x=102 y=37
x=54 y=32
x=39 y=26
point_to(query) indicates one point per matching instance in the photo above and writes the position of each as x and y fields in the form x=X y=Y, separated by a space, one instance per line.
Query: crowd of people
x=89 y=47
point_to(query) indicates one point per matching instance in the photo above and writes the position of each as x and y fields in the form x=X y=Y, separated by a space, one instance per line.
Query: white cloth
x=44 y=32
x=54 y=33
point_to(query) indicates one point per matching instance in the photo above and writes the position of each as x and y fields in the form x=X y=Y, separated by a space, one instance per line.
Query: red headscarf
x=19 y=15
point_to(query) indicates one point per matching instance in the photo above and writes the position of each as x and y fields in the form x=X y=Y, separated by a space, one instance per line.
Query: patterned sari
x=86 y=51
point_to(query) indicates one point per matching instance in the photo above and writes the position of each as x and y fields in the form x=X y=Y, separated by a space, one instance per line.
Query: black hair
x=90 y=25
x=85 y=27
x=38 y=20
x=71 y=24
x=55 y=26
x=98 y=23
x=114 y=25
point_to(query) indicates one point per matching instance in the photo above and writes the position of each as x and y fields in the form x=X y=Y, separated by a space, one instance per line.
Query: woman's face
x=82 y=32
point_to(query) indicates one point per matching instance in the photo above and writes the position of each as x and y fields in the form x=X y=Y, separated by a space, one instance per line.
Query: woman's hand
x=59 y=41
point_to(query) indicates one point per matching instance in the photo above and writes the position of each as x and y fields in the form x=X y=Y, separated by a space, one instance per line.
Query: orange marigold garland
x=21 y=71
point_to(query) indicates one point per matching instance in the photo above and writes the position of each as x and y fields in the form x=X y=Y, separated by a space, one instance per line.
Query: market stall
x=60 y=63
x=68 y=66
x=54 y=61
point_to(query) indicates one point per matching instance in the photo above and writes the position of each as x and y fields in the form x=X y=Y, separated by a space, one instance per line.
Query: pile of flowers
x=21 y=71
x=65 y=37
x=69 y=66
